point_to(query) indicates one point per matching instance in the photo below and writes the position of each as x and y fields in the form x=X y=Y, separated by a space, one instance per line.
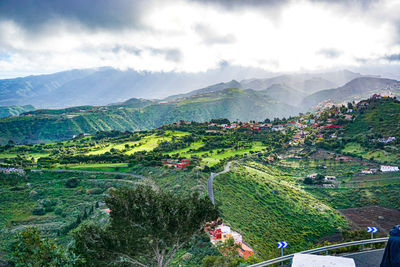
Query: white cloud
x=191 y=37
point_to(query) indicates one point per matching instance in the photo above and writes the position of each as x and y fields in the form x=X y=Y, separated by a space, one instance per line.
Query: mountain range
x=107 y=85
x=136 y=114
x=280 y=96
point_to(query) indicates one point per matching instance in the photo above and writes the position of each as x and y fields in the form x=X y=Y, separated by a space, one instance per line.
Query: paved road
x=370 y=258
x=211 y=178
x=92 y=172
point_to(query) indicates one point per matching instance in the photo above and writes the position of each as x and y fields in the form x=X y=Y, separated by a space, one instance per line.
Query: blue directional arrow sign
x=283 y=244
x=372 y=229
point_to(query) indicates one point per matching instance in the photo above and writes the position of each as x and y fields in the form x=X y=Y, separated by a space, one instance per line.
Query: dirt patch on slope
x=375 y=216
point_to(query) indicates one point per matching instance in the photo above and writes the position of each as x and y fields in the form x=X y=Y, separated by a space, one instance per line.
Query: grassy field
x=146 y=143
x=378 y=155
x=343 y=198
x=380 y=179
x=30 y=155
x=106 y=167
x=214 y=156
x=272 y=209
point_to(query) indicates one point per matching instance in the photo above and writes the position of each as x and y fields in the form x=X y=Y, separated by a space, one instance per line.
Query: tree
x=32 y=250
x=308 y=181
x=146 y=227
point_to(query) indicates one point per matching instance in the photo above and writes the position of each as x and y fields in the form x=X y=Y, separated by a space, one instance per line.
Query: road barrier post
x=372 y=230
x=282 y=245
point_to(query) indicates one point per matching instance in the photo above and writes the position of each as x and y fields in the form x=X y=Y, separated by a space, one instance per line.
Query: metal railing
x=322 y=249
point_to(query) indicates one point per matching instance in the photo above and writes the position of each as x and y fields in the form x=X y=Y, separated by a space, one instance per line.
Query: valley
x=289 y=179
x=277 y=100
x=212 y=133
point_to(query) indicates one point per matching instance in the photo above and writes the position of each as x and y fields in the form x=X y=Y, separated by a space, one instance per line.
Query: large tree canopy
x=146 y=227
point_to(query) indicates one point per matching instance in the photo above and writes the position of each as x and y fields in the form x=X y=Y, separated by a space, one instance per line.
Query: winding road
x=371 y=258
x=211 y=178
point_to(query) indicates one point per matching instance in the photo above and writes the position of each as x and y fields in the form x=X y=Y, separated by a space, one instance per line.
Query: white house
x=330 y=178
x=366 y=172
x=387 y=168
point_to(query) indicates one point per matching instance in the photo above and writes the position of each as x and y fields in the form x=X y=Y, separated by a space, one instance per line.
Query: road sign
x=283 y=244
x=372 y=229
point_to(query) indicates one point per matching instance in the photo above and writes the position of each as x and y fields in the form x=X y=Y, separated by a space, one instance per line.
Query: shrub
x=72 y=182
x=59 y=212
x=48 y=202
x=31 y=249
x=39 y=211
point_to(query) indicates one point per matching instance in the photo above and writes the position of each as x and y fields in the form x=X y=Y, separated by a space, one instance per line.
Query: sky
x=45 y=36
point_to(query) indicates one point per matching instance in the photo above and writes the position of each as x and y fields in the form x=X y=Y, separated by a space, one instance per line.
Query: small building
x=387 y=140
x=348 y=117
x=12 y=170
x=245 y=251
x=279 y=127
x=222 y=233
x=366 y=171
x=387 y=168
x=176 y=163
x=330 y=178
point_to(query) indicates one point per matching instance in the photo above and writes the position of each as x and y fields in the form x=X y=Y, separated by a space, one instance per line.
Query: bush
x=308 y=180
x=72 y=182
x=59 y=212
x=30 y=249
x=39 y=210
x=48 y=202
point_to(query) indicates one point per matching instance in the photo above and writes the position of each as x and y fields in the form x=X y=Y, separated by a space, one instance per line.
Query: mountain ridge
x=107 y=85
x=356 y=89
x=54 y=125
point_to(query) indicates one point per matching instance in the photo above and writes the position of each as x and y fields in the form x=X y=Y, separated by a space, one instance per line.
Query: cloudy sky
x=44 y=36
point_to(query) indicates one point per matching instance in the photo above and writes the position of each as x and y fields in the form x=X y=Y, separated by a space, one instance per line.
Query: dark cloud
x=330 y=53
x=393 y=57
x=211 y=37
x=112 y=14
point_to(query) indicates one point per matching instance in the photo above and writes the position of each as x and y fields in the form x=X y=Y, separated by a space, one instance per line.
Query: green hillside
x=265 y=206
x=375 y=120
x=7 y=111
x=379 y=118
x=55 y=125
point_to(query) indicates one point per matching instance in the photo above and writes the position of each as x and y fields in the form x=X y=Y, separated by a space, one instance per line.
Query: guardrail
x=323 y=249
